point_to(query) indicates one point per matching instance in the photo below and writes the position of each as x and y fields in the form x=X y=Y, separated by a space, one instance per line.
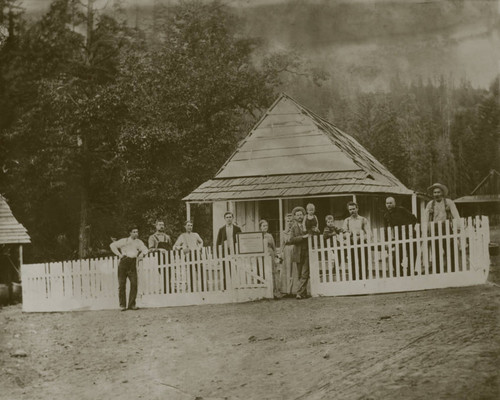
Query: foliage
x=102 y=125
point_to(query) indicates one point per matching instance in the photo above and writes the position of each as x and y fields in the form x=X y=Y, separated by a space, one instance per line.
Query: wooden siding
x=11 y=231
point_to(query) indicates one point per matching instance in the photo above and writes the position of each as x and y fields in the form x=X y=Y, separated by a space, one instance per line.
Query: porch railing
x=452 y=253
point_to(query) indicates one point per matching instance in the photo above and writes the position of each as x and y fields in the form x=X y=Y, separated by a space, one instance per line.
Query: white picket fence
x=165 y=279
x=403 y=260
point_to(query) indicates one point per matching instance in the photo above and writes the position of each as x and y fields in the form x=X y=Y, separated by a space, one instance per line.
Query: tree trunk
x=84 y=231
x=84 y=240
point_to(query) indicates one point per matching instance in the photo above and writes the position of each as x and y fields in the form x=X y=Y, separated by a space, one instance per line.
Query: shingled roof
x=11 y=231
x=292 y=152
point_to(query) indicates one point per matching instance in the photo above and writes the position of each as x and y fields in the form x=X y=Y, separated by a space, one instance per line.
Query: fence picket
x=390 y=252
x=441 y=248
x=335 y=259
x=397 y=260
x=433 y=248
x=448 y=246
x=383 y=252
x=412 y=255
x=376 y=254
x=343 y=260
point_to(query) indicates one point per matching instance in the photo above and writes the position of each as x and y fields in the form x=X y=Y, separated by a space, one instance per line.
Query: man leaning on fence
x=354 y=227
x=129 y=250
x=441 y=211
x=400 y=217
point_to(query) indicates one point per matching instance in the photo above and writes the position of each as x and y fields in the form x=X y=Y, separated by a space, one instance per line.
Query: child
x=311 y=221
x=330 y=230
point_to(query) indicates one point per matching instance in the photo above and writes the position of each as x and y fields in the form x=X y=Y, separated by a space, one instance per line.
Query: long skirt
x=289 y=273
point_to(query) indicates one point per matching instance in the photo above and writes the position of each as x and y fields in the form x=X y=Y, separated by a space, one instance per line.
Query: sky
x=368 y=42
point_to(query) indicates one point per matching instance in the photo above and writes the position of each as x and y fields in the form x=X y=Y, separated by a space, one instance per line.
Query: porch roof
x=295 y=185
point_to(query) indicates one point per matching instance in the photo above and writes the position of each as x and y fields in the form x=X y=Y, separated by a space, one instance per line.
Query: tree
x=193 y=93
x=68 y=132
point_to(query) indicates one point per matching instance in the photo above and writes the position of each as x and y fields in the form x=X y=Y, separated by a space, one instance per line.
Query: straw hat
x=443 y=188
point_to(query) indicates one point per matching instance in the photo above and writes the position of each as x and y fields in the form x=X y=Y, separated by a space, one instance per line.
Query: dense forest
x=103 y=123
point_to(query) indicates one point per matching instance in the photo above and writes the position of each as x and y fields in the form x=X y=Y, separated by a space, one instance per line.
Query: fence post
x=313 y=264
x=268 y=273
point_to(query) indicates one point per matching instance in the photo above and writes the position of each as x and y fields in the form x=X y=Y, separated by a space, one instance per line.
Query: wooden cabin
x=292 y=157
x=12 y=237
x=483 y=200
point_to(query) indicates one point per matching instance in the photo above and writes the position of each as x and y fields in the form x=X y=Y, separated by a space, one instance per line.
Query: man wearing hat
x=299 y=239
x=438 y=211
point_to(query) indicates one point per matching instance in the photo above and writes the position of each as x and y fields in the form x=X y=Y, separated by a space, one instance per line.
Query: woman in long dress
x=271 y=250
x=289 y=278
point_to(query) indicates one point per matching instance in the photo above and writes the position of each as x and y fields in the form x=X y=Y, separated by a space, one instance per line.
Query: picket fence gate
x=447 y=254
x=165 y=279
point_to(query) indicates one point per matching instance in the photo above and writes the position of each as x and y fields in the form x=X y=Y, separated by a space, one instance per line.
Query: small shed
x=12 y=237
x=292 y=157
x=483 y=200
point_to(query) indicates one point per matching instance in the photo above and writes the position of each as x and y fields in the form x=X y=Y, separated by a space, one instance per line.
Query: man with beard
x=397 y=216
x=299 y=239
x=441 y=210
x=160 y=240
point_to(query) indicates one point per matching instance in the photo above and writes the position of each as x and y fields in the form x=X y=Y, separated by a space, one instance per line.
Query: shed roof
x=292 y=152
x=480 y=198
x=489 y=185
x=11 y=231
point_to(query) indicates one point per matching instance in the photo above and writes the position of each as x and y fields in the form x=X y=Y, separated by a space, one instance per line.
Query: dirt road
x=441 y=344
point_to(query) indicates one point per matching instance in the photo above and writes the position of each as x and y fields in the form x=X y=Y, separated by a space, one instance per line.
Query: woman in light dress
x=289 y=278
x=271 y=250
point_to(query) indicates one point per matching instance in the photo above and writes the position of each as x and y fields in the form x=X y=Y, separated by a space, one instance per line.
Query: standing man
x=353 y=226
x=128 y=250
x=397 y=216
x=160 y=240
x=188 y=240
x=228 y=232
x=440 y=210
x=299 y=239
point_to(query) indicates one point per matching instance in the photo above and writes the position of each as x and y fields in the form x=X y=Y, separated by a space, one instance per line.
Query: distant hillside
x=365 y=43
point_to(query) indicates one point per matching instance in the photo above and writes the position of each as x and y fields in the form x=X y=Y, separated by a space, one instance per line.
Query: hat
x=298 y=209
x=440 y=186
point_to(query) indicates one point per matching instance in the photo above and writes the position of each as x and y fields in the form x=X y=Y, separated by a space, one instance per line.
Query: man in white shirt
x=441 y=210
x=353 y=226
x=128 y=250
x=188 y=240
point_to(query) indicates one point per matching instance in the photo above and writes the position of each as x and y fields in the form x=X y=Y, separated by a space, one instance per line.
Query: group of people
x=291 y=274
x=302 y=223
x=131 y=248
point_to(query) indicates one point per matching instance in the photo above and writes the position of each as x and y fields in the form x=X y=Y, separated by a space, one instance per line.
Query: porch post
x=414 y=204
x=354 y=198
x=20 y=261
x=280 y=202
x=188 y=211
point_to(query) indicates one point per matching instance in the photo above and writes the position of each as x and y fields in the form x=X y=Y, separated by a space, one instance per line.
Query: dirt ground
x=439 y=344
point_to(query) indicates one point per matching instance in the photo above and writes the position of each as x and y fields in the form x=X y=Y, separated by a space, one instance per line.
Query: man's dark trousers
x=303 y=272
x=127 y=269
